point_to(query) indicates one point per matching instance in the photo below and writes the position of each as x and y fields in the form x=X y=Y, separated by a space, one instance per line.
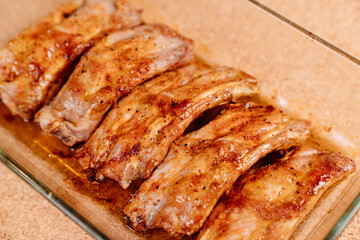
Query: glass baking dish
x=297 y=72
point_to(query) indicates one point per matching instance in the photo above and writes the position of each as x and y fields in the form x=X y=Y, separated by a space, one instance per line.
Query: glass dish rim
x=14 y=166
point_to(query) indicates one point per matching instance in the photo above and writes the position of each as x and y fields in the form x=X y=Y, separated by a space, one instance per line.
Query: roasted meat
x=136 y=135
x=269 y=202
x=35 y=64
x=109 y=71
x=21 y=47
x=202 y=165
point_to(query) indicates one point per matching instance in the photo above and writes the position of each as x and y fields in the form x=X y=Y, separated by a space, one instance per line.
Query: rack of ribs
x=136 y=135
x=203 y=164
x=269 y=202
x=109 y=71
x=34 y=65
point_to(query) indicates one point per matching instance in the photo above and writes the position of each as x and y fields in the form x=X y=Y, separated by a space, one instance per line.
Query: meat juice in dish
x=202 y=165
x=109 y=71
x=31 y=74
x=269 y=202
x=136 y=135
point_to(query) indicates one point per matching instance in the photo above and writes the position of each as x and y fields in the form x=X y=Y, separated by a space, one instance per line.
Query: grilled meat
x=269 y=202
x=35 y=64
x=136 y=135
x=22 y=46
x=202 y=165
x=109 y=71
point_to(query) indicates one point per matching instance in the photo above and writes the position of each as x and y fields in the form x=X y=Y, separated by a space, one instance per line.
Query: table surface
x=29 y=215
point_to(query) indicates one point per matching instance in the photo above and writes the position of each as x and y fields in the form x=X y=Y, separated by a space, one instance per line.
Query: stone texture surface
x=25 y=214
x=352 y=230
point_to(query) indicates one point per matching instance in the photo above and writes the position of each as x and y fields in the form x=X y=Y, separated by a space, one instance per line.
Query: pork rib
x=32 y=75
x=136 y=135
x=109 y=71
x=269 y=202
x=16 y=51
x=202 y=165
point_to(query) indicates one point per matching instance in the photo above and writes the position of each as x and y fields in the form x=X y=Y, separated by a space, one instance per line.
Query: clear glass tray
x=297 y=72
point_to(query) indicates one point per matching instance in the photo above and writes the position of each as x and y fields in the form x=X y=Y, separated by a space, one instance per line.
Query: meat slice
x=35 y=64
x=109 y=71
x=269 y=202
x=16 y=51
x=202 y=165
x=136 y=135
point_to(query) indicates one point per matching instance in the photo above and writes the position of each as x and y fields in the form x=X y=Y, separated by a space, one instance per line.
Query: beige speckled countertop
x=25 y=214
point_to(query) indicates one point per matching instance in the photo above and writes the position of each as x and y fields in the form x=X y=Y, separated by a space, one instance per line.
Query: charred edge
x=138 y=225
x=270 y=109
x=90 y=174
x=65 y=139
x=80 y=153
x=171 y=106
